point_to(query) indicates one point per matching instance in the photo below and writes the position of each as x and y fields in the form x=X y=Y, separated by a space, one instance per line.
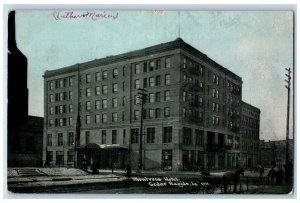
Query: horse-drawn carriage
x=219 y=184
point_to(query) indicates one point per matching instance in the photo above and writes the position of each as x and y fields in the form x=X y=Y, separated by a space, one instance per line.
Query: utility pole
x=78 y=122
x=288 y=75
x=142 y=97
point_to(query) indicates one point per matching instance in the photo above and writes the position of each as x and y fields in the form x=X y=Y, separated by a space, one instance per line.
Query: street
x=62 y=180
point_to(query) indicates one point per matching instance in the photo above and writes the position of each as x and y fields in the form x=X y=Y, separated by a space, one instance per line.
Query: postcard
x=150 y=102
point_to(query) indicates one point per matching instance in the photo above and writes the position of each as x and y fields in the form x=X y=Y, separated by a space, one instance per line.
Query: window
x=87 y=137
x=59 y=139
x=104 y=89
x=151 y=66
x=61 y=84
x=136 y=99
x=70 y=156
x=145 y=67
x=124 y=69
x=167 y=95
x=123 y=86
x=56 y=122
x=104 y=75
x=137 y=69
x=187 y=136
x=70 y=95
x=97 y=90
x=65 y=96
x=136 y=115
x=88 y=105
x=97 y=77
x=70 y=121
x=51 y=110
x=49 y=139
x=70 y=138
x=167 y=79
x=135 y=135
x=158 y=64
x=61 y=122
x=88 y=78
x=157 y=96
x=115 y=73
x=184 y=95
x=123 y=101
x=199 y=137
x=151 y=113
x=97 y=118
x=145 y=82
x=103 y=138
x=115 y=88
x=50 y=123
x=114 y=136
x=87 y=119
x=114 y=117
x=184 y=63
x=51 y=85
x=157 y=113
x=151 y=82
x=167 y=111
x=61 y=96
x=70 y=108
x=168 y=62
x=200 y=101
x=51 y=98
x=157 y=80
x=137 y=84
x=150 y=135
x=151 y=97
x=167 y=134
x=97 y=104
x=56 y=84
x=104 y=118
x=88 y=92
x=114 y=102
x=104 y=103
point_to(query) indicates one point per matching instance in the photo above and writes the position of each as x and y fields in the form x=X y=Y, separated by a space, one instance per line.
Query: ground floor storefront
x=168 y=159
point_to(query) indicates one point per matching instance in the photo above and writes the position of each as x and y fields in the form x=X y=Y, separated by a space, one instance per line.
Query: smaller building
x=30 y=144
x=274 y=152
x=249 y=135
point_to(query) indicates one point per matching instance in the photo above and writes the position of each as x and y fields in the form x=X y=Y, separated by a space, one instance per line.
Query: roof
x=251 y=106
x=178 y=43
x=102 y=146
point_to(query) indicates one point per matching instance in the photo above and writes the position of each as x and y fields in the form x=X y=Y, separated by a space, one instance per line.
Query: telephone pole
x=288 y=75
x=142 y=97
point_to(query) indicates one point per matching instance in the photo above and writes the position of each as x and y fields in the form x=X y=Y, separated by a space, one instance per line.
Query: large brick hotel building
x=192 y=113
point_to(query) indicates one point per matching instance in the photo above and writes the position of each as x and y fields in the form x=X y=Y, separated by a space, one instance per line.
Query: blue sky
x=256 y=45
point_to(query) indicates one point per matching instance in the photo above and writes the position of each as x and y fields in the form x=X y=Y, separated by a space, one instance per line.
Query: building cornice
x=176 y=44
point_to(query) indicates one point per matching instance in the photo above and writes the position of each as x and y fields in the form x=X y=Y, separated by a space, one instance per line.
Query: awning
x=102 y=146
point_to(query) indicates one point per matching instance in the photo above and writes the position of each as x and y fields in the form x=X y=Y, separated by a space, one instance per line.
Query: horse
x=232 y=177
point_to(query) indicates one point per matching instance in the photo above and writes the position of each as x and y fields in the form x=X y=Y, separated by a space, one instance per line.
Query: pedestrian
x=128 y=171
x=261 y=172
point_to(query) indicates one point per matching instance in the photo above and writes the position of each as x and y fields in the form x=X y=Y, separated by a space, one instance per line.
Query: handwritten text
x=94 y=15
